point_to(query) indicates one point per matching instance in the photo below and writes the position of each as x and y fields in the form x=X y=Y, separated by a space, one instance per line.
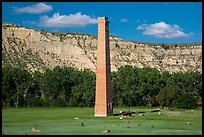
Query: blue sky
x=160 y=22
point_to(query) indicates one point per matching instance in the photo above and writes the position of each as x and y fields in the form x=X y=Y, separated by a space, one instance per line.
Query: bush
x=186 y=101
x=167 y=96
x=33 y=102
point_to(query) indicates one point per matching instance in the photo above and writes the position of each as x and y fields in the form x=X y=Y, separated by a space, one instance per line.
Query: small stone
x=105 y=131
x=141 y=114
x=188 y=123
x=76 y=118
x=35 y=130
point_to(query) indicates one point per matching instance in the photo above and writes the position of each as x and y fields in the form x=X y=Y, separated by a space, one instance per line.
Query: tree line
x=131 y=86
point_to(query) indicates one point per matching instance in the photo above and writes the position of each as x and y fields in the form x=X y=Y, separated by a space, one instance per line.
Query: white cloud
x=140 y=20
x=163 y=30
x=29 y=22
x=34 y=9
x=124 y=20
x=62 y=21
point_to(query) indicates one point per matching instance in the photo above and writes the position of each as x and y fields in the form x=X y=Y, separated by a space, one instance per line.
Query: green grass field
x=61 y=121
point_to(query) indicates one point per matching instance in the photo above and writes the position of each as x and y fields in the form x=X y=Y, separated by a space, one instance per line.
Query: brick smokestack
x=103 y=96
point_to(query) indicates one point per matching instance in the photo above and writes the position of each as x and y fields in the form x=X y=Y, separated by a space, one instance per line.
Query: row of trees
x=70 y=87
x=148 y=87
x=57 y=87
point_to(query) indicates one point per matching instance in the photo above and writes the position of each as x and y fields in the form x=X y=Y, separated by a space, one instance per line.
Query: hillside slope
x=38 y=50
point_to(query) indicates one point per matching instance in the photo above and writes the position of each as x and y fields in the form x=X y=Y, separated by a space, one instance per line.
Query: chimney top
x=102 y=18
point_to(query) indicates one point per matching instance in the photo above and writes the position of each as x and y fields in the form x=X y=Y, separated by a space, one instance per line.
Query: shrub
x=167 y=96
x=186 y=101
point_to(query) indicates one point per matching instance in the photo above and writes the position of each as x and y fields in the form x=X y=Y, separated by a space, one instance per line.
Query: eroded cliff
x=38 y=50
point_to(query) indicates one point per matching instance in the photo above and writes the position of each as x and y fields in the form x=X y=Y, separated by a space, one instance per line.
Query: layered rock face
x=38 y=50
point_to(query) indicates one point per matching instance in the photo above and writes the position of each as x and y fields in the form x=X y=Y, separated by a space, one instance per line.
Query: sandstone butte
x=39 y=49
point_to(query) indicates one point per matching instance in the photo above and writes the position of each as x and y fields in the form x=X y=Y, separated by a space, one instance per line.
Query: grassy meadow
x=68 y=121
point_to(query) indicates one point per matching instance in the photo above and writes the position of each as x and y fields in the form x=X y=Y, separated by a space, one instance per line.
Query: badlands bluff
x=38 y=50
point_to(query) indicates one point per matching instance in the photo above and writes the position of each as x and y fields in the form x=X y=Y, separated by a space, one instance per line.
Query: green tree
x=186 y=101
x=167 y=96
x=8 y=86
x=15 y=85
x=83 y=93
x=34 y=93
x=52 y=85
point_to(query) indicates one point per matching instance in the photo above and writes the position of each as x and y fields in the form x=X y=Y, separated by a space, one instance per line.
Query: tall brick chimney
x=103 y=96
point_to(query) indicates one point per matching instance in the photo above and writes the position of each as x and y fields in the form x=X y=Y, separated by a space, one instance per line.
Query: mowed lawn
x=68 y=121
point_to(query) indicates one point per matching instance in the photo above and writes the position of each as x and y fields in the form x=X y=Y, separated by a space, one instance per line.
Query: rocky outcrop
x=38 y=50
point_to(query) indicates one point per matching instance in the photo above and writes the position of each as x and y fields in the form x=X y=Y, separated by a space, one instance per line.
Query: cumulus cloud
x=62 y=21
x=139 y=20
x=29 y=22
x=124 y=20
x=34 y=9
x=163 y=30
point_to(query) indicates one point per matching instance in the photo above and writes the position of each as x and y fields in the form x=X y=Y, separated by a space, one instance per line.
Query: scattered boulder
x=141 y=114
x=105 y=131
x=35 y=130
x=188 y=123
x=76 y=118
